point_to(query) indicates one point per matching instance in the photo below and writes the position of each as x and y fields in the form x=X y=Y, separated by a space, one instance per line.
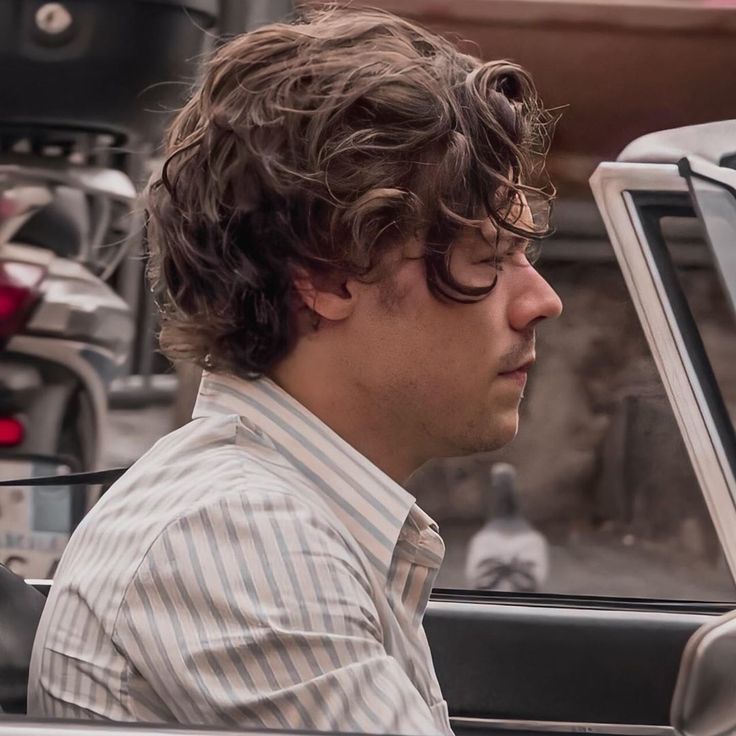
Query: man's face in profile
x=452 y=374
x=282 y=176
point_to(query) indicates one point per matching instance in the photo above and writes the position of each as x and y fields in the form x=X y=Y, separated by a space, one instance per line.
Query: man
x=339 y=237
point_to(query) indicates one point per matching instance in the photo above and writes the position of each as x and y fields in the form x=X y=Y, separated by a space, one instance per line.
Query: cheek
x=456 y=343
x=415 y=333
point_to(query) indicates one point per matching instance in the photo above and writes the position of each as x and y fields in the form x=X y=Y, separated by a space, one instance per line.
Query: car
x=533 y=663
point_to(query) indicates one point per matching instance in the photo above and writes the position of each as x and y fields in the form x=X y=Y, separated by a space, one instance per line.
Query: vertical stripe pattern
x=251 y=569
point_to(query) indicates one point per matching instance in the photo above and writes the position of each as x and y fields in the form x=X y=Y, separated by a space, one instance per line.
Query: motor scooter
x=86 y=90
x=65 y=335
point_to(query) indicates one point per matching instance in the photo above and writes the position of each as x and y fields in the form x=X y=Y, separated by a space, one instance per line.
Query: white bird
x=507 y=553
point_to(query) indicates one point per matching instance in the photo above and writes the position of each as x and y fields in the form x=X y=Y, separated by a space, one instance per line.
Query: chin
x=490 y=437
x=507 y=432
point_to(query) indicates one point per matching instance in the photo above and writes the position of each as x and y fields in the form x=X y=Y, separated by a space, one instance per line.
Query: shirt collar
x=372 y=506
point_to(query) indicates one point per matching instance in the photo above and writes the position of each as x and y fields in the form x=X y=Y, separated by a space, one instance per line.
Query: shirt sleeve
x=254 y=612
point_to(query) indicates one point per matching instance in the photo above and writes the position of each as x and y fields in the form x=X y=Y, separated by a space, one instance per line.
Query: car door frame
x=623 y=191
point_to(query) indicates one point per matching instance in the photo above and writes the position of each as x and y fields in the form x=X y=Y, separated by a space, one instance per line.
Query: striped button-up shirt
x=251 y=569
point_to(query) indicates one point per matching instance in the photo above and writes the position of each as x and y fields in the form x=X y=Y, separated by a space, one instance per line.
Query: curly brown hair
x=319 y=145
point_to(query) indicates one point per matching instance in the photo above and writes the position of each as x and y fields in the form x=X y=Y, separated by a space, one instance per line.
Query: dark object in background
x=85 y=91
x=20 y=611
x=237 y=16
x=104 y=67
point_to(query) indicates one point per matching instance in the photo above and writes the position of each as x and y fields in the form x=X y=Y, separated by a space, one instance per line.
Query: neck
x=358 y=418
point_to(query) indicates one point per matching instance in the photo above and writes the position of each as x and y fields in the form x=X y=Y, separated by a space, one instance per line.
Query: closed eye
x=528 y=249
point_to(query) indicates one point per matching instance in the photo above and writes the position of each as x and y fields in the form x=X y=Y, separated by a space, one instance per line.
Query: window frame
x=622 y=190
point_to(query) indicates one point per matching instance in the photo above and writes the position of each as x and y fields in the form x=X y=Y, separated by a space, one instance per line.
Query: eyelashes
x=530 y=250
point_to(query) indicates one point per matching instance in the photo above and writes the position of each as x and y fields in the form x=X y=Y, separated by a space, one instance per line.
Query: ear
x=330 y=301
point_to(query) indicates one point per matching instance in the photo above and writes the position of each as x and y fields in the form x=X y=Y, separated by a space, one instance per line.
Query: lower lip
x=519 y=376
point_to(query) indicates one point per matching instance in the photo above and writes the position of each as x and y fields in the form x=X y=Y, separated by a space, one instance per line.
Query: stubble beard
x=485 y=432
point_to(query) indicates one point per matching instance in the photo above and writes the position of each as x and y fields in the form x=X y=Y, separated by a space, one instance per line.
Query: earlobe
x=333 y=303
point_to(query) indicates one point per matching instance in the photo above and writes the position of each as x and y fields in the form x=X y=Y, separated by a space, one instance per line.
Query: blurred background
x=596 y=496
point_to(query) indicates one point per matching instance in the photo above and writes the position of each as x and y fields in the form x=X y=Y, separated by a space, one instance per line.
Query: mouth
x=519 y=373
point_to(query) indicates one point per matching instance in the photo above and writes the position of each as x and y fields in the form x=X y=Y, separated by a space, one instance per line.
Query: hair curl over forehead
x=319 y=145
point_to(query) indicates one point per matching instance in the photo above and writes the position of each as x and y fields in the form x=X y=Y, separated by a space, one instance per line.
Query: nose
x=534 y=300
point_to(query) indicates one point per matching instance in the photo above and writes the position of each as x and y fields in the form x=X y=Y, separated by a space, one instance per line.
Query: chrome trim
x=39 y=581
x=609 y=729
x=70 y=354
x=27 y=727
x=101 y=185
x=94 y=181
x=519 y=612
x=612 y=185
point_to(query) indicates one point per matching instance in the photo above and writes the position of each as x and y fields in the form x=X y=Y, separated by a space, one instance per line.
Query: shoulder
x=257 y=515
x=258 y=550
x=220 y=486
x=196 y=467
x=214 y=481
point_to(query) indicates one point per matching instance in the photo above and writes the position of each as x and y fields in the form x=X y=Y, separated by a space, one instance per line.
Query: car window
x=605 y=499
x=707 y=298
x=715 y=204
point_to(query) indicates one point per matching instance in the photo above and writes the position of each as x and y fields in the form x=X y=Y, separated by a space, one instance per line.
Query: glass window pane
x=716 y=206
x=707 y=299
x=606 y=499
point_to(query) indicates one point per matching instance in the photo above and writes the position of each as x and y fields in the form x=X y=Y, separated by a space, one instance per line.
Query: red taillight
x=12 y=299
x=19 y=283
x=11 y=432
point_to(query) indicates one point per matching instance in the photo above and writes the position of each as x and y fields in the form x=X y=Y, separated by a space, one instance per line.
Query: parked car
x=541 y=663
